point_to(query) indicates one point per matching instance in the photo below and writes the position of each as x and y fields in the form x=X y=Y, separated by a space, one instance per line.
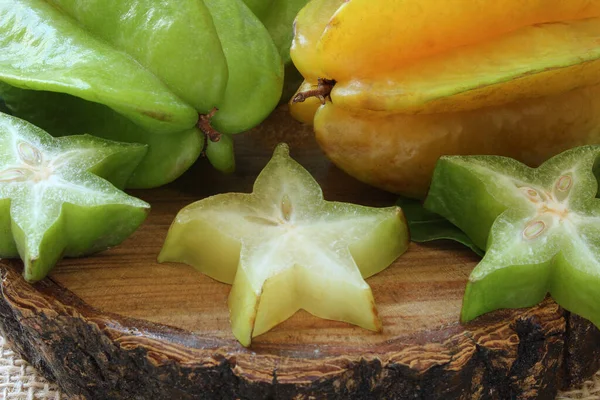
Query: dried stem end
x=204 y=125
x=322 y=92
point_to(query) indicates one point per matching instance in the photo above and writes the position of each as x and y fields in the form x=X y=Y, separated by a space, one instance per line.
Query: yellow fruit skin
x=367 y=37
x=308 y=27
x=532 y=62
x=398 y=152
x=305 y=111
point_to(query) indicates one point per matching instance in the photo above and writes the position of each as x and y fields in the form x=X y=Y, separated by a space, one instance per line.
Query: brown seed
x=286 y=207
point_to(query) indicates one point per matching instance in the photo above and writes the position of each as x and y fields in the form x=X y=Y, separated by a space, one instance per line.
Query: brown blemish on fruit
x=286 y=207
x=158 y=115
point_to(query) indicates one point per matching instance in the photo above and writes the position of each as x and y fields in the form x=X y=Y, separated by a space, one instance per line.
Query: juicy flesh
x=294 y=250
x=39 y=175
x=541 y=226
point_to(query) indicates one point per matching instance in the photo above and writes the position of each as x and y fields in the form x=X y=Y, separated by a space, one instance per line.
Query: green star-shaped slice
x=56 y=195
x=540 y=228
x=284 y=248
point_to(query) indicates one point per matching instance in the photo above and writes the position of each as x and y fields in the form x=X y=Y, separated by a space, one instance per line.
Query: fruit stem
x=206 y=128
x=323 y=90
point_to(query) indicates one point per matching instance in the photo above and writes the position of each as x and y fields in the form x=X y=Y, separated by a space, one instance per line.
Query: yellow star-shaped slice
x=284 y=248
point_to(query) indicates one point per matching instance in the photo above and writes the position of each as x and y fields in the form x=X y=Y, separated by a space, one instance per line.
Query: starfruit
x=56 y=196
x=145 y=71
x=284 y=248
x=540 y=228
x=391 y=85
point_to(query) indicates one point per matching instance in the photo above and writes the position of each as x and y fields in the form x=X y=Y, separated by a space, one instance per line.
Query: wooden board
x=119 y=325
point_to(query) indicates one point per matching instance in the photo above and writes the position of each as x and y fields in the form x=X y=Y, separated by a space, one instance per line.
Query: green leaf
x=426 y=226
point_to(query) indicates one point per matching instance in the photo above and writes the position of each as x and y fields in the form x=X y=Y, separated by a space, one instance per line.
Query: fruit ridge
x=53 y=199
x=284 y=248
x=539 y=228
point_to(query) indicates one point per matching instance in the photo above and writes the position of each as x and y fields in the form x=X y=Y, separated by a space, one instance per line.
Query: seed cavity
x=531 y=194
x=29 y=154
x=286 y=207
x=13 y=175
x=534 y=229
x=260 y=220
x=564 y=183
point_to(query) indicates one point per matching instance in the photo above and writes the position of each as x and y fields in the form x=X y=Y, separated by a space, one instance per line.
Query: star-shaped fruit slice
x=54 y=201
x=540 y=228
x=284 y=248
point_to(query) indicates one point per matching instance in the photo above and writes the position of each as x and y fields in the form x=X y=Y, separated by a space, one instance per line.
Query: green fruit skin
x=158 y=64
x=45 y=50
x=87 y=230
x=278 y=17
x=167 y=158
x=477 y=210
x=279 y=21
x=172 y=39
x=221 y=155
x=474 y=201
x=78 y=230
x=255 y=68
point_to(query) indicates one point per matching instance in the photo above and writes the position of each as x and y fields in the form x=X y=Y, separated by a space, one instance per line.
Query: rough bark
x=527 y=354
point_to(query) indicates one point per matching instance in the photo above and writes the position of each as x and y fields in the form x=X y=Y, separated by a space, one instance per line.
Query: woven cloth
x=20 y=381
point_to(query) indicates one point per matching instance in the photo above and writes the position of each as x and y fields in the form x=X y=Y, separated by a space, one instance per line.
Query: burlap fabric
x=20 y=381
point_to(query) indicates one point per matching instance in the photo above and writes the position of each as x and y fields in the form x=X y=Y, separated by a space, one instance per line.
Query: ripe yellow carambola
x=404 y=82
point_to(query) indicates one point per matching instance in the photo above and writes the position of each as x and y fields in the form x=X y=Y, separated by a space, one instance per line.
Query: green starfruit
x=278 y=17
x=56 y=196
x=284 y=248
x=155 y=65
x=540 y=229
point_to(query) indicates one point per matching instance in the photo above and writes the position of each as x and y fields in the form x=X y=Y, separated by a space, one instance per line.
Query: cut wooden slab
x=119 y=325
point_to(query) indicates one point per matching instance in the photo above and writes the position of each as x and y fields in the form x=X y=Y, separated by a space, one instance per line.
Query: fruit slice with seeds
x=54 y=201
x=168 y=156
x=284 y=248
x=540 y=228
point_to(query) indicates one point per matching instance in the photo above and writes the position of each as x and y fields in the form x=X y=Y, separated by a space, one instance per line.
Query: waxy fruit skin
x=540 y=229
x=284 y=248
x=156 y=64
x=57 y=197
x=417 y=79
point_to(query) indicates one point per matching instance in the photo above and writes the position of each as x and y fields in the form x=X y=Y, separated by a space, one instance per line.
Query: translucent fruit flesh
x=62 y=115
x=284 y=248
x=540 y=229
x=54 y=201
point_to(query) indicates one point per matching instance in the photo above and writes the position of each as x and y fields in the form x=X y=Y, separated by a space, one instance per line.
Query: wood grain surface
x=120 y=325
